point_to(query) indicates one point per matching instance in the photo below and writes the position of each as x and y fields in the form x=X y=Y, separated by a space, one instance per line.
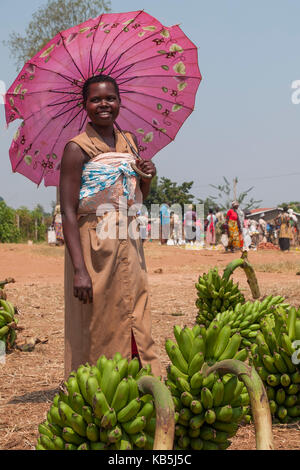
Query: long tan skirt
x=120 y=301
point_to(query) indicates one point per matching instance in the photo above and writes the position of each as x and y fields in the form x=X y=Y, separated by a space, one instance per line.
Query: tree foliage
x=226 y=195
x=9 y=232
x=164 y=190
x=47 y=21
x=295 y=205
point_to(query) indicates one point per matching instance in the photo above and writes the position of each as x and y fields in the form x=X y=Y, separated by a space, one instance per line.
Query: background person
x=235 y=241
x=285 y=232
x=57 y=224
x=211 y=228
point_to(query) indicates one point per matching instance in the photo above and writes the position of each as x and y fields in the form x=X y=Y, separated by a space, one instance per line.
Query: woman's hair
x=98 y=79
x=210 y=211
x=285 y=208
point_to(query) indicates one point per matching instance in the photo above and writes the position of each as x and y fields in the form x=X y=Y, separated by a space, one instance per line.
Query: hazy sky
x=244 y=124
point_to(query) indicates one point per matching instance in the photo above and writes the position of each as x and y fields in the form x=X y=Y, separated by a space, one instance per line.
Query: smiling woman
x=106 y=291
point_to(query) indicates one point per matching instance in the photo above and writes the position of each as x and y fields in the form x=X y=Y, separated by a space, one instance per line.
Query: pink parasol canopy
x=156 y=68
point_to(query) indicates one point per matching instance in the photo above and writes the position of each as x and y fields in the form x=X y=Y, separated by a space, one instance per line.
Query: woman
x=211 y=228
x=285 y=232
x=57 y=223
x=235 y=240
x=106 y=291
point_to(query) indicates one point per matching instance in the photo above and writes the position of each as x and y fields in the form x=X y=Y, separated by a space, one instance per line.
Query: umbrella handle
x=140 y=172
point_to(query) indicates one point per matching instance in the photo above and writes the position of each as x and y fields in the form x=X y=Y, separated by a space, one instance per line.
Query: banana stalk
x=6 y=281
x=165 y=412
x=258 y=398
x=249 y=271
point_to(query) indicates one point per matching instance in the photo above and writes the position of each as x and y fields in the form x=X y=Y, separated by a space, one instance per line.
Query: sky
x=246 y=120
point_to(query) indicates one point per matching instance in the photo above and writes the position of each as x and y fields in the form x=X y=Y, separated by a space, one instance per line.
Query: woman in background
x=211 y=228
x=235 y=240
x=285 y=232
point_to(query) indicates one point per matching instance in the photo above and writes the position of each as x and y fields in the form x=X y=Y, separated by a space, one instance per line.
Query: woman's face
x=103 y=104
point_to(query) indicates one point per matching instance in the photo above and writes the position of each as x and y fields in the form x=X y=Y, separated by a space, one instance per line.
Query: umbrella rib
x=83 y=122
x=61 y=102
x=65 y=77
x=92 y=46
x=105 y=54
x=64 y=112
x=153 y=57
x=147 y=122
x=67 y=124
x=63 y=40
x=154 y=97
x=132 y=46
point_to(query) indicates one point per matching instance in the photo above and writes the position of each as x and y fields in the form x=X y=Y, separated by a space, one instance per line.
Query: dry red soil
x=29 y=380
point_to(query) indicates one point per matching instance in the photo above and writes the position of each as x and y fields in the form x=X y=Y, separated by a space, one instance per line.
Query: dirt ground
x=29 y=380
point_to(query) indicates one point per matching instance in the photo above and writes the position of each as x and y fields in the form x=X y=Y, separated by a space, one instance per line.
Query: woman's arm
x=70 y=178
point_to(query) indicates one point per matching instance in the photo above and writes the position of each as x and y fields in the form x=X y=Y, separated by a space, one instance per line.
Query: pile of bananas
x=100 y=407
x=8 y=323
x=208 y=409
x=246 y=318
x=215 y=294
x=276 y=357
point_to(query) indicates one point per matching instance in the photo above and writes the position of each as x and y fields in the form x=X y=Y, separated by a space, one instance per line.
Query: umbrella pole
x=133 y=166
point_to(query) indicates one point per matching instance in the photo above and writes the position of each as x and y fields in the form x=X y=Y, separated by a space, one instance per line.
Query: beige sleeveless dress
x=117 y=270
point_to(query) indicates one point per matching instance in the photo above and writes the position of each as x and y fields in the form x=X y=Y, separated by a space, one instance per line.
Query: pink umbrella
x=156 y=68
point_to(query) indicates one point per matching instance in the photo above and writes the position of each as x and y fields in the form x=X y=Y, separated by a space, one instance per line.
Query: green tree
x=9 y=232
x=227 y=192
x=295 y=205
x=47 y=21
x=164 y=190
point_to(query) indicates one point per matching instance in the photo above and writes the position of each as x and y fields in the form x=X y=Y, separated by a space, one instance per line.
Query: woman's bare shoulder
x=73 y=151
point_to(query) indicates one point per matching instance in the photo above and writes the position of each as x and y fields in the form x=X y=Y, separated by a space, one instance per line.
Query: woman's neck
x=107 y=134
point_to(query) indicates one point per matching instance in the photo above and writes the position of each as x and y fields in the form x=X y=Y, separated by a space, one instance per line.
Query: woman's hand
x=146 y=166
x=83 y=288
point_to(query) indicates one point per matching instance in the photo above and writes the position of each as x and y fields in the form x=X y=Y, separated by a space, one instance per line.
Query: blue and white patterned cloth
x=98 y=176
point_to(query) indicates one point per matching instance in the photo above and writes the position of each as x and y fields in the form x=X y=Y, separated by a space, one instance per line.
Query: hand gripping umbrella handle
x=140 y=172
x=133 y=166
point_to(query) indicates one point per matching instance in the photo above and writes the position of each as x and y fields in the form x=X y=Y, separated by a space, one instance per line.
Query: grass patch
x=281 y=267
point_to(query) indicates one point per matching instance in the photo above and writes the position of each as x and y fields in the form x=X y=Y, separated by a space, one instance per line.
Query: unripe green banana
x=78 y=424
x=224 y=413
x=231 y=348
x=229 y=390
x=129 y=411
x=100 y=405
x=222 y=341
x=109 y=419
x=70 y=436
x=134 y=426
x=206 y=398
x=196 y=407
x=218 y=392
x=196 y=364
x=91 y=388
x=176 y=356
x=133 y=367
x=185 y=343
x=197 y=347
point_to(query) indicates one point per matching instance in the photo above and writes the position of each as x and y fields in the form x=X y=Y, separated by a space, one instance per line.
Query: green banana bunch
x=7 y=323
x=215 y=294
x=208 y=409
x=100 y=407
x=246 y=318
x=276 y=357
